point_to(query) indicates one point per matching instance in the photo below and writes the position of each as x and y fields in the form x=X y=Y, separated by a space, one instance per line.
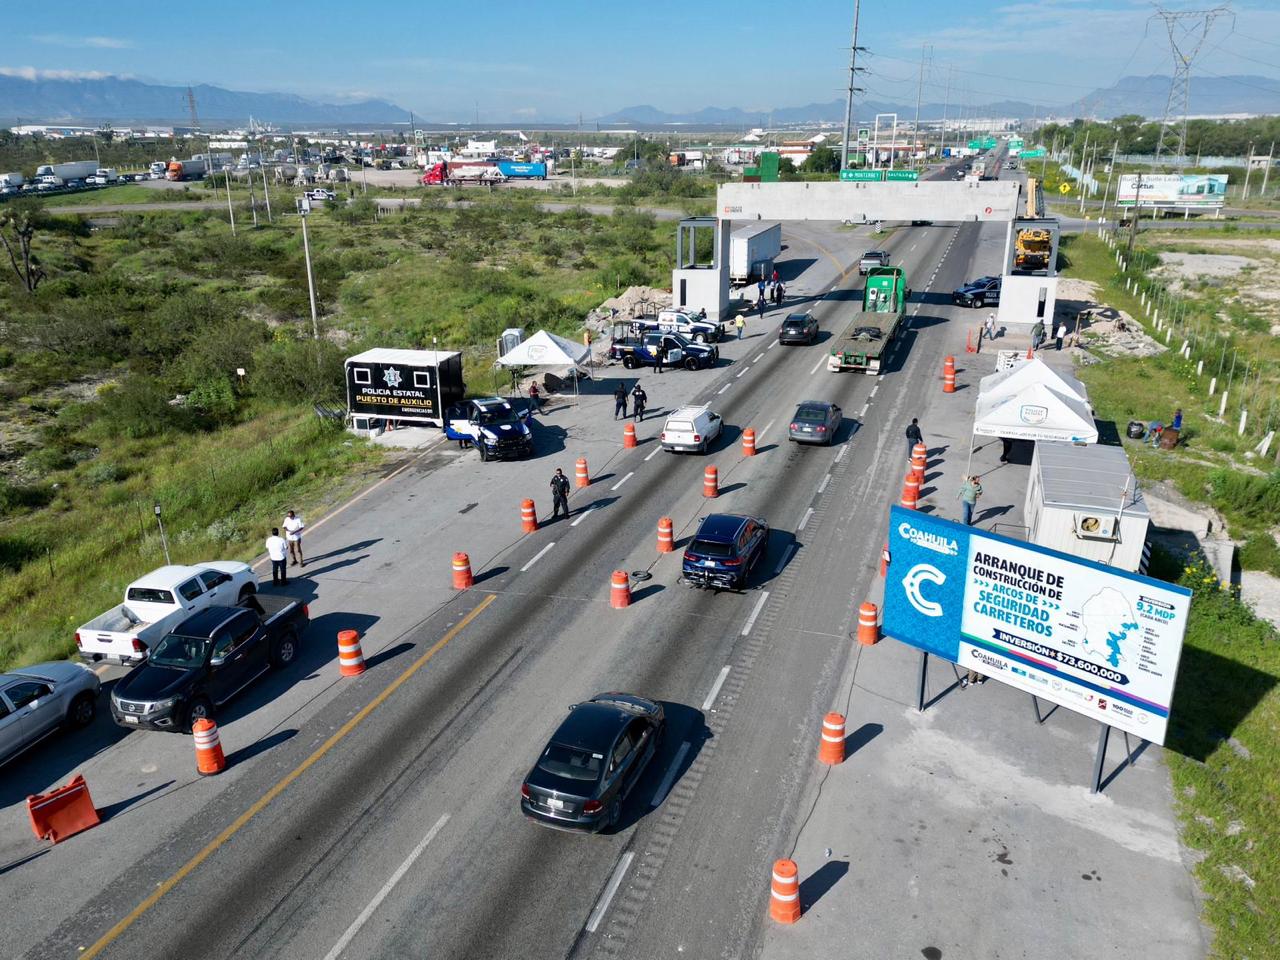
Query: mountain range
x=1146 y=96
x=42 y=99
x=35 y=98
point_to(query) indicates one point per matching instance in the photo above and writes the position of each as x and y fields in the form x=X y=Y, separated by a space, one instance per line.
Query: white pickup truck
x=156 y=603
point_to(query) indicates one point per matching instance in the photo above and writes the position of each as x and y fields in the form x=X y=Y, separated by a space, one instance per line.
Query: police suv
x=691 y=326
x=492 y=425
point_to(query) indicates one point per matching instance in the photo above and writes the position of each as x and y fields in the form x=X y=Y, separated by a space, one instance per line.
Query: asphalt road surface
x=385 y=822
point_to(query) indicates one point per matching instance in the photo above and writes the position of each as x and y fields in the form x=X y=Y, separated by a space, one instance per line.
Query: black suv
x=724 y=551
x=798 y=328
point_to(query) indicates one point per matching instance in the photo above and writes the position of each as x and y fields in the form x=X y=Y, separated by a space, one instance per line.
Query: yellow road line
x=260 y=804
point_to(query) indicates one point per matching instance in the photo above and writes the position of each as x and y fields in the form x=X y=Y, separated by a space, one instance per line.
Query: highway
x=389 y=825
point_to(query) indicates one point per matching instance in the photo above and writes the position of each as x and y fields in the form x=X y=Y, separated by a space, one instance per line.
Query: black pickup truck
x=207 y=659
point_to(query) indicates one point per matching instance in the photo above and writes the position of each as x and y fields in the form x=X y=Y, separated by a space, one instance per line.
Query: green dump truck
x=872 y=330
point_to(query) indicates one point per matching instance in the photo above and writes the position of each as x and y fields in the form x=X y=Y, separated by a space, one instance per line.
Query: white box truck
x=75 y=170
x=11 y=180
x=1084 y=500
x=752 y=250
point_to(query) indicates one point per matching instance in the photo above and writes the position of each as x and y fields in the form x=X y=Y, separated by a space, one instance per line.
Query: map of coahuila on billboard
x=1204 y=191
x=1095 y=639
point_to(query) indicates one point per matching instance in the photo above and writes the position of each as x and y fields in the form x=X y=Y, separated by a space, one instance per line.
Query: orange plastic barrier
x=710 y=482
x=62 y=812
x=919 y=462
x=869 y=622
x=209 y=758
x=528 y=517
x=949 y=375
x=748 y=442
x=350 y=656
x=784 y=899
x=831 y=749
x=580 y=473
x=629 y=436
x=462 y=578
x=910 y=491
x=666 y=535
x=620 y=590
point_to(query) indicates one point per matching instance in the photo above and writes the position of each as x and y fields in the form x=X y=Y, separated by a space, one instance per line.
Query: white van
x=691 y=429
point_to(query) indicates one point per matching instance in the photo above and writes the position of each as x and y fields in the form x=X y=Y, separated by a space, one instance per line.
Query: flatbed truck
x=871 y=332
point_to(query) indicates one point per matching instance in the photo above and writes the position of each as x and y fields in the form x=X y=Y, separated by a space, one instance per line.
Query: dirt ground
x=1102 y=328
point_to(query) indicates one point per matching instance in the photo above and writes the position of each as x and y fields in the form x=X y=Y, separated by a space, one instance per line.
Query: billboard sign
x=1203 y=191
x=1095 y=639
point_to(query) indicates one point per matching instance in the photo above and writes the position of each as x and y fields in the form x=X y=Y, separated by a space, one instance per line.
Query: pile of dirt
x=633 y=302
x=1098 y=327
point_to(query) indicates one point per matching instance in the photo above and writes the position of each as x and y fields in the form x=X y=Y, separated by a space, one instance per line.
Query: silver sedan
x=36 y=701
x=815 y=421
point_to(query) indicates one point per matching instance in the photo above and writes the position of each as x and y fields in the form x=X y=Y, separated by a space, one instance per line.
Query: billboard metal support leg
x=1035 y=705
x=1098 y=760
x=924 y=671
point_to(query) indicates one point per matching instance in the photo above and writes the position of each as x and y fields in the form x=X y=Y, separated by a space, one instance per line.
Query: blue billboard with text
x=1092 y=638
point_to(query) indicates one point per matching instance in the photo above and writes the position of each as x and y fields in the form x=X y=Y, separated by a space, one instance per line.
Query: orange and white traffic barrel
x=666 y=535
x=209 y=757
x=620 y=590
x=949 y=375
x=629 y=436
x=580 y=472
x=350 y=656
x=869 y=623
x=910 y=491
x=710 y=482
x=462 y=578
x=831 y=749
x=784 y=893
x=528 y=517
x=748 y=442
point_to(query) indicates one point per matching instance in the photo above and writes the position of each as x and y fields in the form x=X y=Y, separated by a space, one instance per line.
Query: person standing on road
x=278 y=554
x=659 y=355
x=638 y=399
x=761 y=304
x=1037 y=335
x=1059 y=334
x=968 y=496
x=620 y=401
x=293 y=535
x=739 y=323
x=777 y=294
x=535 y=398
x=760 y=288
x=559 y=494
x=990 y=327
x=914 y=436
x=774 y=278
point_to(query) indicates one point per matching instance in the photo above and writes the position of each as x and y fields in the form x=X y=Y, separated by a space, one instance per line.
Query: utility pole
x=1111 y=169
x=266 y=189
x=915 y=127
x=1188 y=30
x=311 y=284
x=853 y=70
x=230 y=209
x=1248 y=168
x=1083 y=173
x=1133 y=221
x=946 y=102
x=1266 y=171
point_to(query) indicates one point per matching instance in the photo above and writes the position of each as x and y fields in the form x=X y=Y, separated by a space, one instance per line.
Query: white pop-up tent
x=1036 y=412
x=1021 y=375
x=547 y=350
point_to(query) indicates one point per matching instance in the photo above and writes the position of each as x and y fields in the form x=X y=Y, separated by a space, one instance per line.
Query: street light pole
x=163 y=539
x=311 y=285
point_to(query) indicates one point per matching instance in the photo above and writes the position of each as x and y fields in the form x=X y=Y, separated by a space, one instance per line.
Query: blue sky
x=533 y=60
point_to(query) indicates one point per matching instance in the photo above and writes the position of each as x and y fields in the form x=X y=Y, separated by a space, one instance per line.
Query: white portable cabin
x=1084 y=500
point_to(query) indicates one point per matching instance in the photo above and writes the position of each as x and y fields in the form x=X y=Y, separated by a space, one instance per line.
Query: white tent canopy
x=1036 y=412
x=1020 y=375
x=546 y=350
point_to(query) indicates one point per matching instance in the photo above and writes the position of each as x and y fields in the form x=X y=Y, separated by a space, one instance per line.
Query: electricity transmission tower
x=1188 y=30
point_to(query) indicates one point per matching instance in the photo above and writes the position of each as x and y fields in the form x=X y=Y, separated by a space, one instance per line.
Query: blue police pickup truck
x=643 y=349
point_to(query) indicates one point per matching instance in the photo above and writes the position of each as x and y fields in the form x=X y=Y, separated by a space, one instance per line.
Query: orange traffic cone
x=968 y=341
x=710 y=482
x=528 y=517
x=832 y=747
x=620 y=590
x=350 y=656
x=784 y=898
x=580 y=471
x=209 y=758
x=462 y=578
x=1030 y=353
x=748 y=442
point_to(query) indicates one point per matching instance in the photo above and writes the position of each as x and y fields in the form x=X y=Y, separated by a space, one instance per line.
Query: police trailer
x=406 y=386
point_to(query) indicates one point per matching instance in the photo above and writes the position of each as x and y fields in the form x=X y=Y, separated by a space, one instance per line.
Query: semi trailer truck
x=871 y=332
x=194 y=169
x=75 y=170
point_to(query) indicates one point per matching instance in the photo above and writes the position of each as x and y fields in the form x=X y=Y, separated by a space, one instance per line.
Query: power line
x=1188 y=30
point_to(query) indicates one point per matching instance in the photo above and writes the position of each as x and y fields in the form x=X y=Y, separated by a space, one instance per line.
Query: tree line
x=1137 y=135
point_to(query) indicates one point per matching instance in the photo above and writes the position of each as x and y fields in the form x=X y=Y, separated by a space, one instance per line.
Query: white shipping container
x=752 y=250
x=1084 y=500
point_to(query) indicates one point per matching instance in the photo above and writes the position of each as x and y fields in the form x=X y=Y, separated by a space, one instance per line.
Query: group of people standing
x=638 y=400
x=770 y=291
x=287 y=550
x=1038 y=334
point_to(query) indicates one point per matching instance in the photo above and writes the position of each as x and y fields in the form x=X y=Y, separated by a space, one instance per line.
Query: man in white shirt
x=293 y=534
x=278 y=553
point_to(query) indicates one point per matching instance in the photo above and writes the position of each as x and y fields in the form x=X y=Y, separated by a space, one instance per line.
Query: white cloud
x=31 y=73
x=99 y=43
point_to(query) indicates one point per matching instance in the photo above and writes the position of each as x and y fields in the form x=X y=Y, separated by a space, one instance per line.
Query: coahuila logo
x=911 y=586
x=930 y=541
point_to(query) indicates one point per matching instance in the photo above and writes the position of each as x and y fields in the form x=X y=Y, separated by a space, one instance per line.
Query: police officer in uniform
x=559 y=494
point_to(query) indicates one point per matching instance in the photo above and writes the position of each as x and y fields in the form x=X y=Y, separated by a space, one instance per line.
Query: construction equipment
x=1033 y=245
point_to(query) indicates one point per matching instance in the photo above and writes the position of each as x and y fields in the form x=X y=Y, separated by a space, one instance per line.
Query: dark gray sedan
x=36 y=701
x=815 y=421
